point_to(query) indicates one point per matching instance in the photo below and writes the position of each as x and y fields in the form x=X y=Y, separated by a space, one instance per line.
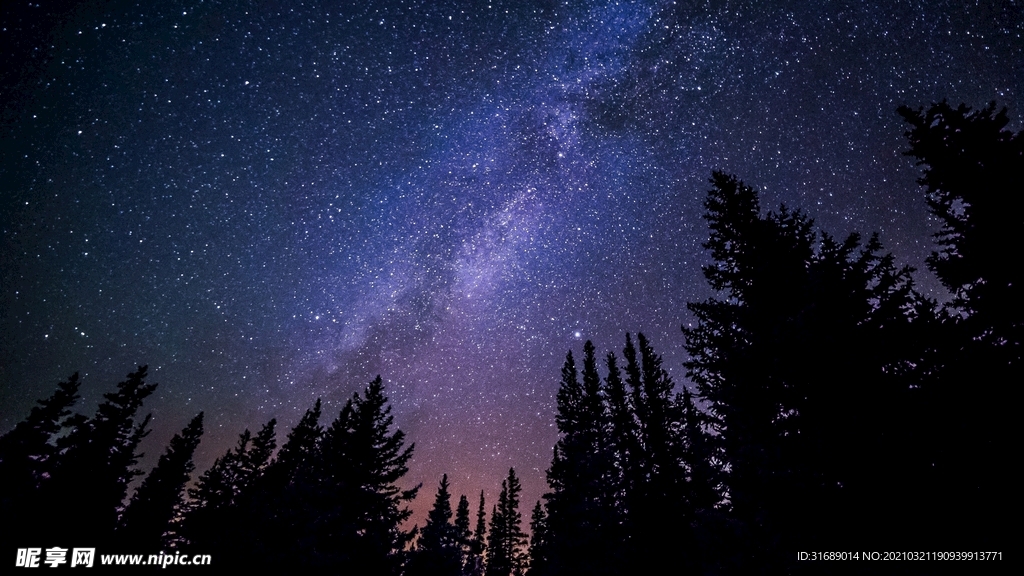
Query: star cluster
x=273 y=202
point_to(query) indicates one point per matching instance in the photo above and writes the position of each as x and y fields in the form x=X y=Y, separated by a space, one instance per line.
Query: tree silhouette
x=218 y=517
x=625 y=462
x=361 y=508
x=475 y=560
x=462 y=531
x=505 y=554
x=662 y=492
x=971 y=164
x=806 y=330
x=581 y=505
x=159 y=498
x=28 y=458
x=280 y=510
x=540 y=564
x=300 y=450
x=98 y=457
x=439 y=549
x=701 y=458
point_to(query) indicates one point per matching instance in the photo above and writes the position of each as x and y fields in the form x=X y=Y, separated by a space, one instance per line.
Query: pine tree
x=28 y=448
x=657 y=487
x=362 y=506
x=497 y=561
x=218 y=486
x=539 y=542
x=475 y=560
x=98 y=457
x=630 y=420
x=233 y=473
x=748 y=406
x=159 y=498
x=972 y=166
x=581 y=503
x=257 y=459
x=623 y=443
x=219 y=515
x=505 y=555
x=701 y=459
x=279 y=511
x=620 y=467
x=299 y=451
x=438 y=549
x=806 y=327
x=970 y=161
x=462 y=531
x=28 y=457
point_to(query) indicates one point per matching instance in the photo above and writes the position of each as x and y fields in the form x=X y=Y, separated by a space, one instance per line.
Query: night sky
x=273 y=202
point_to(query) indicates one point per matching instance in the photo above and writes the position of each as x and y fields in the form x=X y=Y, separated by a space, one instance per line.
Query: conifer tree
x=361 y=506
x=233 y=473
x=218 y=515
x=970 y=161
x=98 y=458
x=217 y=485
x=805 y=328
x=159 y=498
x=701 y=459
x=28 y=457
x=462 y=531
x=972 y=166
x=256 y=460
x=657 y=487
x=539 y=564
x=438 y=549
x=475 y=560
x=582 y=510
x=299 y=451
x=632 y=450
x=622 y=437
x=279 y=512
x=505 y=556
x=497 y=561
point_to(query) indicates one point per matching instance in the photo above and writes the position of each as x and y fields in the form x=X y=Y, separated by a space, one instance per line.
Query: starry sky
x=273 y=202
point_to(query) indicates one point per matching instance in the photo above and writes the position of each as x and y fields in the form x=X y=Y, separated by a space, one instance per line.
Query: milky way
x=273 y=202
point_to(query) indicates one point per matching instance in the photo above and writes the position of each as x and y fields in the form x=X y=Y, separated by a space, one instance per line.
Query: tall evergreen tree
x=98 y=458
x=233 y=473
x=658 y=487
x=28 y=457
x=462 y=530
x=701 y=459
x=438 y=549
x=582 y=511
x=475 y=560
x=622 y=464
x=362 y=507
x=505 y=554
x=218 y=516
x=805 y=328
x=159 y=498
x=623 y=443
x=280 y=512
x=632 y=451
x=970 y=162
x=971 y=165
x=624 y=473
x=539 y=550
x=300 y=450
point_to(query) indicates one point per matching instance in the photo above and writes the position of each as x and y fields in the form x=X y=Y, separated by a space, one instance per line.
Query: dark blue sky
x=273 y=202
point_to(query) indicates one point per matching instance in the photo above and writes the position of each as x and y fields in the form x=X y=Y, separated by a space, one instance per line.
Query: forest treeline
x=832 y=407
